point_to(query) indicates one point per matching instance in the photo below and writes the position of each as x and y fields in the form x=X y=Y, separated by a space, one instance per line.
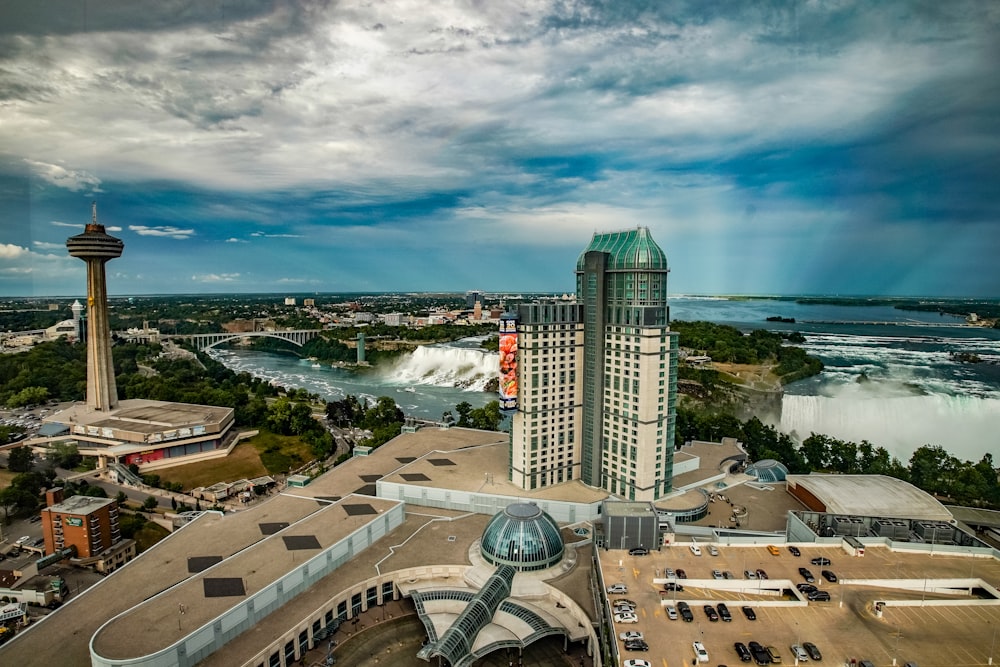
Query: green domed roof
x=633 y=249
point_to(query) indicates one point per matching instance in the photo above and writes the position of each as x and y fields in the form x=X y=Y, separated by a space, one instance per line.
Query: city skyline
x=262 y=148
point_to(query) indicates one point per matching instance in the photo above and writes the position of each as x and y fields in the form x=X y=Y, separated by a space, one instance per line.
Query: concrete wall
x=484 y=503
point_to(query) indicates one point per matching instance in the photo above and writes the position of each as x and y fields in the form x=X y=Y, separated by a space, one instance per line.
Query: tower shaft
x=102 y=392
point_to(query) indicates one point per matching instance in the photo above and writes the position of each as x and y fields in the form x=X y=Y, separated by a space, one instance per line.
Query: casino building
x=596 y=378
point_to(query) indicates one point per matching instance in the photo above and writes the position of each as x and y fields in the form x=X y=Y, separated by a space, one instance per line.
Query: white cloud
x=164 y=231
x=45 y=245
x=74 y=225
x=216 y=277
x=71 y=179
x=276 y=236
x=11 y=251
x=233 y=239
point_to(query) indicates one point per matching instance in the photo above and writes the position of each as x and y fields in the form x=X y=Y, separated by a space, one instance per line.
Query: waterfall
x=966 y=426
x=444 y=366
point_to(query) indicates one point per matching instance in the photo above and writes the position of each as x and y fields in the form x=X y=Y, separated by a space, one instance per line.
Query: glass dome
x=522 y=536
x=768 y=470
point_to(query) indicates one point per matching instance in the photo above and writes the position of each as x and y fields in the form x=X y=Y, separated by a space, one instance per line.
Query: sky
x=813 y=147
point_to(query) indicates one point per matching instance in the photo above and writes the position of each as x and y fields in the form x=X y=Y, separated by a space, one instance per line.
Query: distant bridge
x=204 y=341
x=907 y=323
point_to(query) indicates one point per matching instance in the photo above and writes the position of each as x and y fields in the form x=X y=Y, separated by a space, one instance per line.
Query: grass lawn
x=5 y=477
x=263 y=454
x=148 y=535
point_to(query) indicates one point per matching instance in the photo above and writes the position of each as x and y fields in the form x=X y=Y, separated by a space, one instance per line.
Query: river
x=917 y=392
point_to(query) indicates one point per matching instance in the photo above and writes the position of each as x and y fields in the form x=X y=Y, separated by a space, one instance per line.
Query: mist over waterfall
x=444 y=366
x=966 y=426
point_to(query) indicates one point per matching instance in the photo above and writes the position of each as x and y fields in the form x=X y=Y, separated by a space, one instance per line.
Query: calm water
x=917 y=393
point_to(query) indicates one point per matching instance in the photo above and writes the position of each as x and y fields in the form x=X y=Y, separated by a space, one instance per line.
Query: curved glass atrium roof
x=522 y=536
x=768 y=470
x=633 y=249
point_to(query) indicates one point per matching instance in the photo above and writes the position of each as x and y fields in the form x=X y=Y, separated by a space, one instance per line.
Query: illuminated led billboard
x=508 y=364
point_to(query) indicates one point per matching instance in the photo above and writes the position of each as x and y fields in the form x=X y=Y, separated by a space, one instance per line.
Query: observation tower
x=96 y=247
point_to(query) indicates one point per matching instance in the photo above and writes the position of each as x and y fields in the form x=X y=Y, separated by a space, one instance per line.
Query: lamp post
x=993 y=645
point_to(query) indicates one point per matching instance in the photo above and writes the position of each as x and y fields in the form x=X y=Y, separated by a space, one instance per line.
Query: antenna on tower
x=93 y=212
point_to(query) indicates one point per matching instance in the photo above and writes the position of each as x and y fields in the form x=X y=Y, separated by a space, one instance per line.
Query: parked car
x=710 y=612
x=638 y=551
x=669 y=573
x=695 y=549
x=699 y=651
x=636 y=663
x=749 y=613
x=624 y=601
x=726 y=574
x=760 y=654
x=684 y=609
x=712 y=550
x=672 y=613
x=717 y=574
x=630 y=635
x=773 y=550
x=749 y=574
x=772 y=652
x=820 y=560
x=743 y=652
x=672 y=586
x=626 y=618
x=794 y=551
x=813 y=651
x=618 y=588
x=805 y=588
x=681 y=574
x=799 y=653
x=807 y=575
x=761 y=574
x=724 y=612
x=818 y=596
x=636 y=645
x=829 y=576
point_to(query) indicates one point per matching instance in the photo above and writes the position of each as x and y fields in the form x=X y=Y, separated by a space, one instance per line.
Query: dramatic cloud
x=765 y=144
x=11 y=251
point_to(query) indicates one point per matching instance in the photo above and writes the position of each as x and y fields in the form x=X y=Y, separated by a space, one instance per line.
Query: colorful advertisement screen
x=508 y=365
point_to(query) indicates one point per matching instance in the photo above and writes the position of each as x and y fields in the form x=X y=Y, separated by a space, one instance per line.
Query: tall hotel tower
x=596 y=378
x=96 y=247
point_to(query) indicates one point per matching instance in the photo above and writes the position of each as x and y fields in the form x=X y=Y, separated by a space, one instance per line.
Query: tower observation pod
x=96 y=247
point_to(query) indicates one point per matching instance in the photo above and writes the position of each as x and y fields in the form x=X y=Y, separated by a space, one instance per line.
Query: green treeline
x=930 y=468
x=730 y=345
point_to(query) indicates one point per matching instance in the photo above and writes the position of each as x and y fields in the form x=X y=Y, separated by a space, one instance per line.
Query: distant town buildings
x=596 y=378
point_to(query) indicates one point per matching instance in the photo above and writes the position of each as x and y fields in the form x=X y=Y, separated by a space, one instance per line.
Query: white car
x=700 y=652
x=669 y=573
x=672 y=613
x=630 y=635
x=717 y=574
x=626 y=618
x=618 y=588
x=635 y=662
x=24 y=539
x=712 y=550
x=799 y=653
x=695 y=549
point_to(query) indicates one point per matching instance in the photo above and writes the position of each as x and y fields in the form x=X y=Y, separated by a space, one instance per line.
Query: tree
x=64 y=455
x=149 y=504
x=120 y=498
x=28 y=396
x=927 y=467
x=463 y=409
x=816 y=450
x=20 y=459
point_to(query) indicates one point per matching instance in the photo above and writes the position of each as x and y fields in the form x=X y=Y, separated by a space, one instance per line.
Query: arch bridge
x=296 y=337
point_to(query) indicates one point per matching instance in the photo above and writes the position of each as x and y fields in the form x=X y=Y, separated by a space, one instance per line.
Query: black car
x=818 y=596
x=710 y=612
x=806 y=588
x=724 y=612
x=807 y=575
x=672 y=586
x=685 y=611
x=761 y=574
x=813 y=652
x=681 y=574
x=638 y=551
x=636 y=645
x=829 y=576
x=794 y=551
x=750 y=613
x=819 y=560
x=743 y=652
x=760 y=654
